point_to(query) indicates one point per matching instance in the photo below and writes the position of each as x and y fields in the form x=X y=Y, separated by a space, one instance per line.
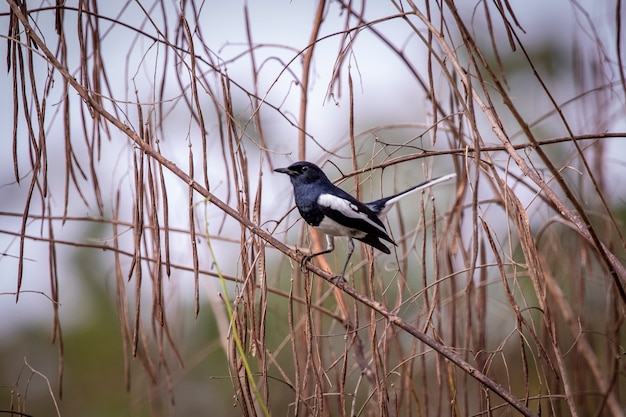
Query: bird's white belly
x=331 y=227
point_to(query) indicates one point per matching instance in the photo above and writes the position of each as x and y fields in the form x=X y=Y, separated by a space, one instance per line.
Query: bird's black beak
x=285 y=171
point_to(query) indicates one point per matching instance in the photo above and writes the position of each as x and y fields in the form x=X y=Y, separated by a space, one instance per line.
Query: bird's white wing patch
x=345 y=208
x=339 y=204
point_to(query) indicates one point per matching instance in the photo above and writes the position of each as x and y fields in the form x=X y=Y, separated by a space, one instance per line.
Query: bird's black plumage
x=334 y=212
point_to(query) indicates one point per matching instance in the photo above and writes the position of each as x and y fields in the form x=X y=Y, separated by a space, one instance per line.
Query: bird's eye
x=305 y=169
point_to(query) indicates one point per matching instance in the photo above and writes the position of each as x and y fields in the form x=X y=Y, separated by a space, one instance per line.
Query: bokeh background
x=102 y=315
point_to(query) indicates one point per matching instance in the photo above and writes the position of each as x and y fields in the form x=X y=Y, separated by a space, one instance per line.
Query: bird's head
x=303 y=172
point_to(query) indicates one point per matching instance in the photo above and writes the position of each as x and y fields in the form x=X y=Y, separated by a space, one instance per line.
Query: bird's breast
x=310 y=212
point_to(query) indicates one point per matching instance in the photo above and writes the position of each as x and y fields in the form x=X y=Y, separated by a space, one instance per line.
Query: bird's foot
x=336 y=279
x=303 y=261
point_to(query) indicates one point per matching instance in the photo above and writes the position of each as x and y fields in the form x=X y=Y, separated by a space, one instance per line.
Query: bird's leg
x=330 y=246
x=345 y=266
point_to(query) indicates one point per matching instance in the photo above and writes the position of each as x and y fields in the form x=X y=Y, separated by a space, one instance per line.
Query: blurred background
x=117 y=281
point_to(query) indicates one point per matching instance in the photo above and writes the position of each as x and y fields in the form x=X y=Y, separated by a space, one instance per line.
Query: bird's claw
x=336 y=279
x=303 y=261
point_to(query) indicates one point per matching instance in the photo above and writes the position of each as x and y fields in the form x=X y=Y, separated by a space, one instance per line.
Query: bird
x=334 y=212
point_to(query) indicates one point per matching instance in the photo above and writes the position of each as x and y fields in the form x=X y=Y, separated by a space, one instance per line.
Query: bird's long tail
x=383 y=205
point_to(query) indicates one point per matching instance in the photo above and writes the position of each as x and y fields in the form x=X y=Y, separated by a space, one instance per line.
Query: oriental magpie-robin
x=334 y=212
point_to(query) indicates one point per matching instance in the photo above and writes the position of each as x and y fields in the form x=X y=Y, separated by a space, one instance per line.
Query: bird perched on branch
x=334 y=212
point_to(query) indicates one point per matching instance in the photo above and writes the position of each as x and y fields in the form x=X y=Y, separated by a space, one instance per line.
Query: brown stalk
x=423 y=329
